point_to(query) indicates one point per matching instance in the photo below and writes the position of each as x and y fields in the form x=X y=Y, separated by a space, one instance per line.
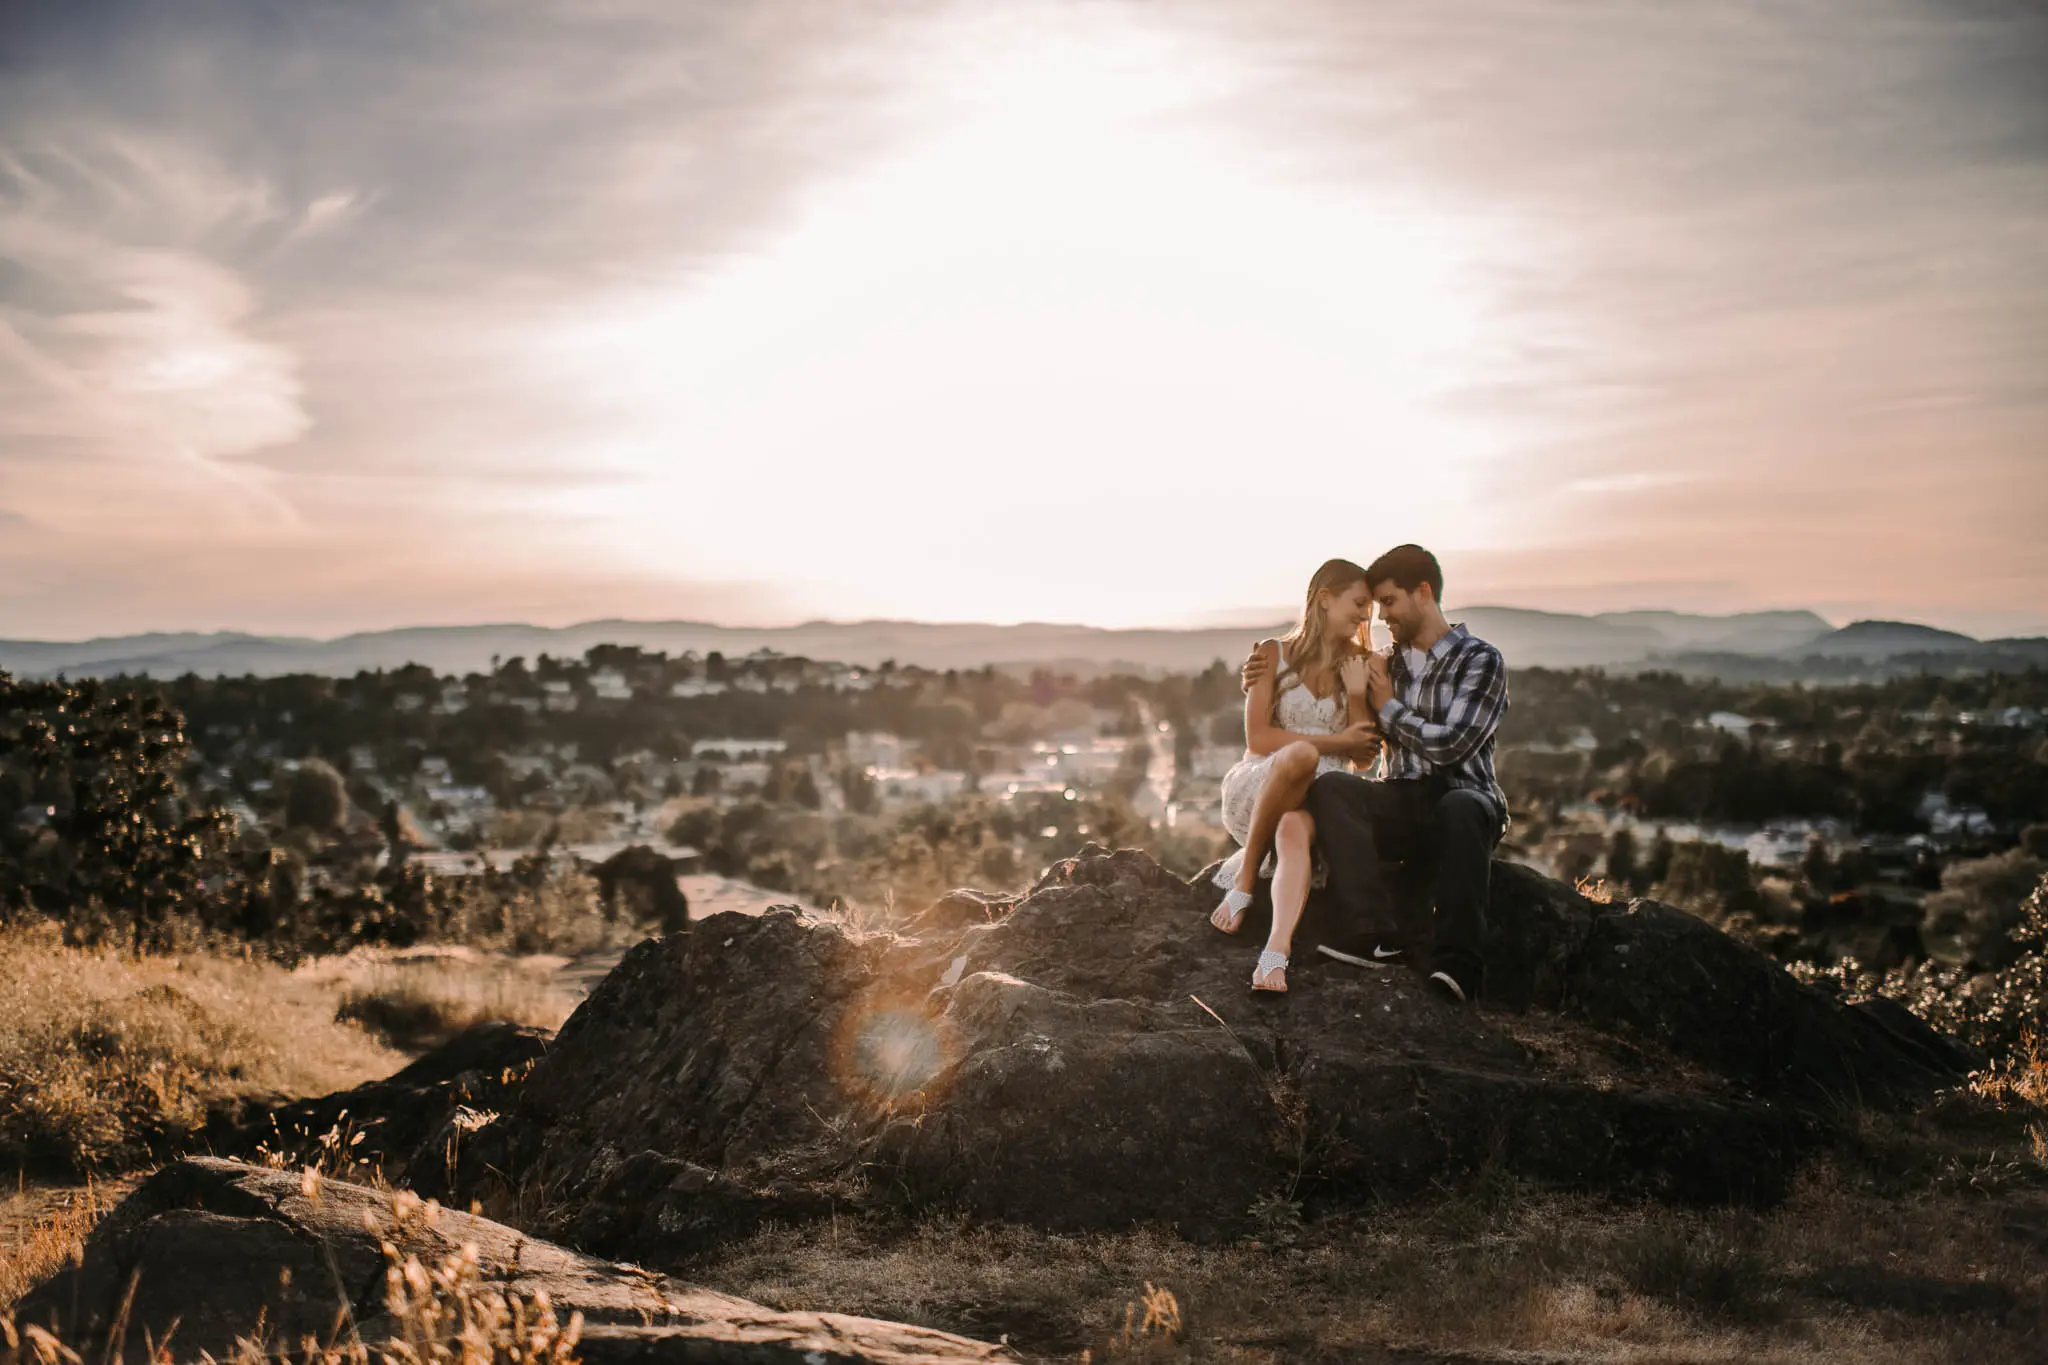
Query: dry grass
x=445 y=1313
x=42 y=1230
x=1839 y=1274
x=419 y=999
x=108 y=1060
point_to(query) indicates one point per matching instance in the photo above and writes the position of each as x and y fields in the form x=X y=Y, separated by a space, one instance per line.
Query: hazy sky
x=321 y=316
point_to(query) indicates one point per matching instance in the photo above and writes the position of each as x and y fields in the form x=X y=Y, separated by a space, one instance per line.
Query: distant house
x=696 y=687
x=874 y=749
x=526 y=765
x=740 y=776
x=557 y=695
x=906 y=786
x=1081 y=758
x=610 y=685
x=453 y=701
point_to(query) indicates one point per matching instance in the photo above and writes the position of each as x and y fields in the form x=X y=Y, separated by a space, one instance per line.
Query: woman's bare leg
x=1286 y=787
x=1295 y=840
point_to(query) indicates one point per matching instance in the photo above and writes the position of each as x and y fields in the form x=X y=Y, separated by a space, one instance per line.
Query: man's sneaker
x=1446 y=985
x=1377 y=955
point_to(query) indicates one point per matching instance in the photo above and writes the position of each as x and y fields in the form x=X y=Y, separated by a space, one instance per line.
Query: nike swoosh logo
x=1383 y=953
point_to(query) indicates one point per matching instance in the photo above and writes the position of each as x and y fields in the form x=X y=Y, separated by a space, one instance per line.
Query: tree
x=1658 y=864
x=319 y=798
x=1816 y=868
x=1131 y=770
x=401 y=832
x=1710 y=877
x=1621 y=858
x=858 y=789
x=113 y=840
x=1979 y=905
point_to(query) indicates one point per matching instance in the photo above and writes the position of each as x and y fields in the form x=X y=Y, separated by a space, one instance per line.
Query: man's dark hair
x=1409 y=566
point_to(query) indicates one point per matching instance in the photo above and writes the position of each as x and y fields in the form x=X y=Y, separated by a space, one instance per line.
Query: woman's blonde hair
x=1308 y=645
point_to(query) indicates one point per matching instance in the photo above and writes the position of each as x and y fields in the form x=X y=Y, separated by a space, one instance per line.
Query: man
x=1439 y=703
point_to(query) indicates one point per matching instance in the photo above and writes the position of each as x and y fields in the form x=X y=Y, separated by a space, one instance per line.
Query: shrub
x=318 y=799
x=2003 y=1012
x=109 y=841
x=1978 y=908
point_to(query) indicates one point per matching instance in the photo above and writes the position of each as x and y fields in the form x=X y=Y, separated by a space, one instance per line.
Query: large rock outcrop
x=1093 y=1058
x=219 y=1251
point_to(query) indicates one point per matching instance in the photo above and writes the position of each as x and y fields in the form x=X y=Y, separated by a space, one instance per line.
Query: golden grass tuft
x=418 y=1003
x=2021 y=1078
x=108 y=1060
x=43 y=1234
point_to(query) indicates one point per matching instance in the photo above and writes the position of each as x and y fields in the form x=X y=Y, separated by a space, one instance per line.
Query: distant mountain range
x=1759 y=645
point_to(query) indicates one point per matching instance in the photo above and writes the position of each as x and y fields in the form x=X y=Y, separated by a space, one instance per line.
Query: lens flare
x=891 y=1053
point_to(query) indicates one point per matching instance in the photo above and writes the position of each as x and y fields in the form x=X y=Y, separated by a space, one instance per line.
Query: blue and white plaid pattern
x=1442 y=720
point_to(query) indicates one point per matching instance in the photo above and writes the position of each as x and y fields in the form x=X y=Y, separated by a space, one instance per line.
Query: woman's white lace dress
x=1301 y=711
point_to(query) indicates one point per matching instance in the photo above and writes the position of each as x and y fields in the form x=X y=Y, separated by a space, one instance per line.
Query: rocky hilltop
x=1084 y=1056
x=1089 y=1056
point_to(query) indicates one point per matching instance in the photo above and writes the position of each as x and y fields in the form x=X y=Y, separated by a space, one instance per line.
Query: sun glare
x=1079 y=354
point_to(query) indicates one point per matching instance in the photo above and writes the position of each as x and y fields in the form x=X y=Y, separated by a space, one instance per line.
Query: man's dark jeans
x=1359 y=823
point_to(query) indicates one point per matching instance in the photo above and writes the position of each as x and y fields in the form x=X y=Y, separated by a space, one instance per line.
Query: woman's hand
x=1354 y=673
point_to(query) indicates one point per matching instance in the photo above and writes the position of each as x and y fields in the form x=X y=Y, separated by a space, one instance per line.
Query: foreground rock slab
x=223 y=1250
x=1090 y=1057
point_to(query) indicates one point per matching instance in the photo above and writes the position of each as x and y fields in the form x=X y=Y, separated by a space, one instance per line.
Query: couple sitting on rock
x=1322 y=711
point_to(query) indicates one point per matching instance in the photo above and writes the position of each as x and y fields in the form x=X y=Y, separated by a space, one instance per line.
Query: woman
x=1295 y=729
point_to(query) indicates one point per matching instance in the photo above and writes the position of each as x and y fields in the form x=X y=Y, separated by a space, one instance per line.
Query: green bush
x=108 y=842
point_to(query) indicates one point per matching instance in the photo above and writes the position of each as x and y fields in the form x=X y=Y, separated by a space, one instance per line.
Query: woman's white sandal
x=1230 y=915
x=1269 y=963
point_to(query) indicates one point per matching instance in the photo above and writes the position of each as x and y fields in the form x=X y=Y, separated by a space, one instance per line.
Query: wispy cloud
x=284 y=296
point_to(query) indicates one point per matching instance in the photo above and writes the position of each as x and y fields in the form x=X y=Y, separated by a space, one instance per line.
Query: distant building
x=610 y=685
x=1081 y=759
x=906 y=786
x=557 y=695
x=874 y=749
x=696 y=687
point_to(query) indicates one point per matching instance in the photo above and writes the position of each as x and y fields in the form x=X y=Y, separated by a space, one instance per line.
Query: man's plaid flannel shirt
x=1442 y=720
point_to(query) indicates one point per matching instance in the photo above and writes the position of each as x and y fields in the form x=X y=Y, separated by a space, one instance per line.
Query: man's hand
x=1256 y=667
x=1379 y=683
x=1361 y=742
